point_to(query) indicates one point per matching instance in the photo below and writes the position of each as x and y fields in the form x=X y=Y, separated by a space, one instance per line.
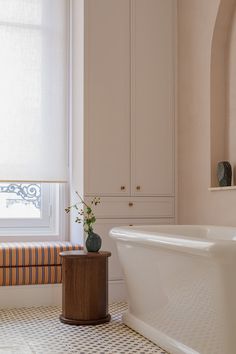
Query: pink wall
x=196 y=204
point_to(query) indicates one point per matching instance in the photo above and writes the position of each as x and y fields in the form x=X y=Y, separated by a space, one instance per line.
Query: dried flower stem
x=85 y=214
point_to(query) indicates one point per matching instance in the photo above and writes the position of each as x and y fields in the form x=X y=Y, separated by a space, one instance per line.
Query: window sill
x=39 y=237
x=219 y=189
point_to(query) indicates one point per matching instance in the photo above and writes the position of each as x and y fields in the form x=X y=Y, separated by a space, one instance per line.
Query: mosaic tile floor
x=39 y=331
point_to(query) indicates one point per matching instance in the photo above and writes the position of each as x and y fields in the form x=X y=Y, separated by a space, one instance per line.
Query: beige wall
x=197 y=205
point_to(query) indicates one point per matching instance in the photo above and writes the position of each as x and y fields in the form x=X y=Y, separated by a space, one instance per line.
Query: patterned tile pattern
x=39 y=331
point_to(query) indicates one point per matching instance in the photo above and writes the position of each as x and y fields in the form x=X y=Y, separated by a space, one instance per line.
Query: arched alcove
x=223 y=88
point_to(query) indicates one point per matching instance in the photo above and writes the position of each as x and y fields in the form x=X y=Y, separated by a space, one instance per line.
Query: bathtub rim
x=190 y=244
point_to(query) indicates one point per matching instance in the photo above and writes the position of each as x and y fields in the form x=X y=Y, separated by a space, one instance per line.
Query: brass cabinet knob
x=131 y=204
x=122 y=188
x=138 y=188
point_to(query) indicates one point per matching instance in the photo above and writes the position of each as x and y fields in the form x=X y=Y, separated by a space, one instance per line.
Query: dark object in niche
x=224 y=173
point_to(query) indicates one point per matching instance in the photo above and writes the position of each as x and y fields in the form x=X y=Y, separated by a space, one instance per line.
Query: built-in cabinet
x=129 y=113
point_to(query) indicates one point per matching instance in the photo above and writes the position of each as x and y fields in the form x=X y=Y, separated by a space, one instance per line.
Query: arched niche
x=223 y=88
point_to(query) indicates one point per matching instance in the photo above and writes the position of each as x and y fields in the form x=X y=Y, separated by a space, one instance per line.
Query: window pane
x=20 y=200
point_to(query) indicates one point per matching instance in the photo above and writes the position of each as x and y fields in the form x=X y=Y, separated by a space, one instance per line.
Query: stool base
x=85 y=322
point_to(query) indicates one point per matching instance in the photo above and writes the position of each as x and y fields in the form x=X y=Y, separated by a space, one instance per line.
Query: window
x=33 y=114
x=32 y=211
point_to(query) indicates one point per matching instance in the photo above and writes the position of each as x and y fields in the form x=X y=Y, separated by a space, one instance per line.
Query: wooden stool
x=84 y=288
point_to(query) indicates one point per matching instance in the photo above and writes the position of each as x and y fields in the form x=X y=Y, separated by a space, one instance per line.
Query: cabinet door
x=107 y=97
x=152 y=97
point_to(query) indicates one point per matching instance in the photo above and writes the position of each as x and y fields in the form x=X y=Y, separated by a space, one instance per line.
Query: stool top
x=82 y=254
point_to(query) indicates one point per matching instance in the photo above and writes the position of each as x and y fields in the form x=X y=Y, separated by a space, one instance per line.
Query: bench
x=28 y=263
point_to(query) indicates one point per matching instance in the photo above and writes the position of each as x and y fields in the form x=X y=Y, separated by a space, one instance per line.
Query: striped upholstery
x=30 y=275
x=33 y=253
x=27 y=263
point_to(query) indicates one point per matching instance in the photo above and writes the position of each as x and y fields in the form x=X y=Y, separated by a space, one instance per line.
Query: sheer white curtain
x=33 y=90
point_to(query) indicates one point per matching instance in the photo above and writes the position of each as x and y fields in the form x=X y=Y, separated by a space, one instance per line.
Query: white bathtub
x=181 y=285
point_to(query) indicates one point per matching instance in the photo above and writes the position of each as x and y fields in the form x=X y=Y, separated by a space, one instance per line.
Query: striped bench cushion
x=33 y=253
x=30 y=275
x=26 y=263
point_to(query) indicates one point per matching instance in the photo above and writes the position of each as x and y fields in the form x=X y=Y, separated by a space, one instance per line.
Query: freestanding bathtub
x=181 y=285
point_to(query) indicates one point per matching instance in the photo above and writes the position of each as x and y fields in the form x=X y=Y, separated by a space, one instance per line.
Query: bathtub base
x=157 y=337
x=181 y=285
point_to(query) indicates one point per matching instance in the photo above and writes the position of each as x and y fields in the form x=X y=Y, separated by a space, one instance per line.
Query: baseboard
x=48 y=294
x=117 y=291
x=30 y=295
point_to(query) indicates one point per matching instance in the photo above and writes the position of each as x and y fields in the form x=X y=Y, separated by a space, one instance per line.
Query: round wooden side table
x=84 y=287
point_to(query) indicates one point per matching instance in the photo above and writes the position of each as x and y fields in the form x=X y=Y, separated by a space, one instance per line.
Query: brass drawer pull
x=131 y=204
x=138 y=188
x=122 y=188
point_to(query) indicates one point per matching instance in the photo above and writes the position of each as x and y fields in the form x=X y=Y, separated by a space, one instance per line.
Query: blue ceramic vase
x=93 y=242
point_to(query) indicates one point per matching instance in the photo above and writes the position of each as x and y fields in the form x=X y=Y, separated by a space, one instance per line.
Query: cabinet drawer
x=134 y=207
